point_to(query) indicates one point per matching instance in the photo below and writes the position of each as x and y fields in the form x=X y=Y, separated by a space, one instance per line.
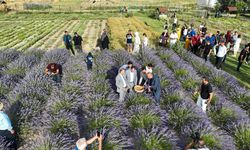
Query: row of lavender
x=147 y=122
x=225 y=114
x=184 y=116
x=30 y=91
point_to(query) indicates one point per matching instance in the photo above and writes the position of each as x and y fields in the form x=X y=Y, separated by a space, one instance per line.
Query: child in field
x=89 y=61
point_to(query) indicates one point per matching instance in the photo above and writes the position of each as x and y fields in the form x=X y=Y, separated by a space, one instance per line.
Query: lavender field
x=47 y=116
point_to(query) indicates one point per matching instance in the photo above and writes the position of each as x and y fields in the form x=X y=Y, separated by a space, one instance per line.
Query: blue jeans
x=57 y=78
x=157 y=96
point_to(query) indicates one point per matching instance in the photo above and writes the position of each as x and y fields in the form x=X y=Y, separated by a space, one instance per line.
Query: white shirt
x=81 y=144
x=185 y=31
x=175 y=20
x=222 y=51
x=238 y=41
x=123 y=80
x=145 y=41
x=148 y=70
x=173 y=38
x=131 y=76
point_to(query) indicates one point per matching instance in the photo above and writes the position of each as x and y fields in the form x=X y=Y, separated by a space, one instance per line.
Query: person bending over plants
x=197 y=143
x=55 y=71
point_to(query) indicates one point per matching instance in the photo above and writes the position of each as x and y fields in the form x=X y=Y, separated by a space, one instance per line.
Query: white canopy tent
x=206 y=3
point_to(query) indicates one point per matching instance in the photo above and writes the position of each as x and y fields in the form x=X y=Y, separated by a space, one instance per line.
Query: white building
x=206 y=3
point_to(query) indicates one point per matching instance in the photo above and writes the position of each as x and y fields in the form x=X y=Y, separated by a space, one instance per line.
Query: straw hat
x=1 y=106
x=139 y=89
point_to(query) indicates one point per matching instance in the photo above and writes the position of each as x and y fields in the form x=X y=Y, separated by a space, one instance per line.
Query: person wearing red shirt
x=195 y=43
x=55 y=71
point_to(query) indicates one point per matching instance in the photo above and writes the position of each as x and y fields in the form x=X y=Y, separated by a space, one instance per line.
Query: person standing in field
x=129 y=38
x=195 y=43
x=131 y=77
x=175 y=21
x=68 y=42
x=121 y=84
x=137 y=43
x=6 y=131
x=243 y=55
x=89 y=61
x=222 y=51
x=105 y=40
x=207 y=51
x=173 y=38
x=77 y=42
x=143 y=77
x=205 y=94
x=237 y=45
x=154 y=86
x=145 y=41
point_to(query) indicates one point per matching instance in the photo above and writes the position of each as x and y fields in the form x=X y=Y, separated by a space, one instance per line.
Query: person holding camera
x=82 y=143
x=55 y=71
x=197 y=143
x=7 y=134
x=205 y=94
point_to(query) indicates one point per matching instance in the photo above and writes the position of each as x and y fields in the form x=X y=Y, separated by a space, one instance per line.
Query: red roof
x=162 y=10
x=231 y=9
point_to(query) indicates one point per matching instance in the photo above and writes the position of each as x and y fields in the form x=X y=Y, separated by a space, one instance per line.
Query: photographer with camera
x=55 y=71
x=197 y=143
x=82 y=143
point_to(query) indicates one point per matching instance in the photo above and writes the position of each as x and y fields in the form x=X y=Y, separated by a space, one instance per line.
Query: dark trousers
x=239 y=65
x=219 y=61
x=247 y=59
x=8 y=140
x=206 y=57
x=195 y=49
x=78 y=48
x=224 y=59
x=57 y=78
x=69 y=47
x=157 y=96
x=89 y=66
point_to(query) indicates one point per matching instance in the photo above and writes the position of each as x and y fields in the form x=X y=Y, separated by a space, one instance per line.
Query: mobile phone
x=98 y=133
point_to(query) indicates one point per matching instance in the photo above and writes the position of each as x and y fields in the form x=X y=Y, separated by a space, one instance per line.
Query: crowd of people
x=128 y=79
x=205 y=44
x=135 y=39
x=75 y=44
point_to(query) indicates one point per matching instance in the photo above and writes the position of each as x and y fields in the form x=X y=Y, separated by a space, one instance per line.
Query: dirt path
x=92 y=33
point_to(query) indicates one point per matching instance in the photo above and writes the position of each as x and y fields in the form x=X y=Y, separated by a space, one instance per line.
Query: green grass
x=230 y=66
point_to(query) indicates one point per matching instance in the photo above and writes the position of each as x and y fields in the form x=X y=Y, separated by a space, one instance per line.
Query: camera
x=196 y=137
